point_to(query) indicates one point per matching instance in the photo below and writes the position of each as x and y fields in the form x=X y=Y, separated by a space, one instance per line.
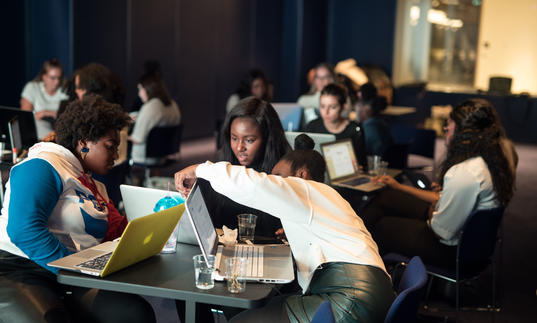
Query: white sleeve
x=285 y=198
x=145 y=121
x=29 y=92
x=457 y=200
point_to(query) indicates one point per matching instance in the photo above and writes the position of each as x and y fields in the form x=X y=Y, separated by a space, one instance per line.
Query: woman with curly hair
x=475 y=175
x=53 y=208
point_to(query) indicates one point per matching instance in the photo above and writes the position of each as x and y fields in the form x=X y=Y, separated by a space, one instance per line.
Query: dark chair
x=161 y=143
x=410 y=289
x=475 y=251
x=397 y=155
x=420 y=141
x=324 y=314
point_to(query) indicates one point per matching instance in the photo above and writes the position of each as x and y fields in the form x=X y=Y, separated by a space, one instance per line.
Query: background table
x=171 y=276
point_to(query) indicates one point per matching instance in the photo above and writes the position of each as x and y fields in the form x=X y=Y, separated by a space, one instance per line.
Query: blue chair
x=324 y=314
x=405 y=306
x=475 y=251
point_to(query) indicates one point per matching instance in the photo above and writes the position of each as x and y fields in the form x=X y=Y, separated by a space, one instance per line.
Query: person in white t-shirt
x=43 y=95
x=476 y=175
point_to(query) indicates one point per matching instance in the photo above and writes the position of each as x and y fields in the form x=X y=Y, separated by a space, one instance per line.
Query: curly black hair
x=88 y=119
x=478 y=132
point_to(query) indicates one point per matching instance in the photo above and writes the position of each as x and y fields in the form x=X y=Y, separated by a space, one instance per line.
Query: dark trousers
x=29 y=293
x=398 y=223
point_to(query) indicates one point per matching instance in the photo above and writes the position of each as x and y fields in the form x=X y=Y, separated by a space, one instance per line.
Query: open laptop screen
x=201 y=221
x=340 y=159
x=15 y=134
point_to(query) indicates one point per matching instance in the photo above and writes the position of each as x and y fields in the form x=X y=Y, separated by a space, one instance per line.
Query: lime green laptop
x=143 y=237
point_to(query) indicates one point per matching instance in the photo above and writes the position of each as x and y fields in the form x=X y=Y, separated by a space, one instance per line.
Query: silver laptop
x=318 y=138
x=140 y=201
x=343 y=169
x=268 y=263
x=142 y=238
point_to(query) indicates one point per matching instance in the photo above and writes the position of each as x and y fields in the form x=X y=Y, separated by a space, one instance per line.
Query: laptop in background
x=27 y=124
x=290 y=115
x=143 y=237
x=318 y=138
x=268 y=263
x=15 y=137
x=140 y=201
x=343 y=169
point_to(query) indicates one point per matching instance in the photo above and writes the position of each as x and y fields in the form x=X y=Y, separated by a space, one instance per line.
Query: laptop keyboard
x=96 y=263
x=255 y=256
x=356 y=181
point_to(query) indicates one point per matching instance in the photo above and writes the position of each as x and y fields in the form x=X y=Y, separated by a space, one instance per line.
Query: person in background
x=43 y=96
x=151 y=67
x=158 y=110
x=336 y=258
x=53 y=207
x=324 y=74
x=377 y=132
x=254 y=83
x=474 y=176
x=333 y=103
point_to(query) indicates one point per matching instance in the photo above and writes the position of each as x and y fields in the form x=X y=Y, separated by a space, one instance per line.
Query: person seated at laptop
x=336 y=258
x=43 y=95
x=254 y=83
x=252 y=135
x=333 y=103
x=158 y=110
x=53 y=208
x=377 y=132
x=323 y=75
x=475 y=175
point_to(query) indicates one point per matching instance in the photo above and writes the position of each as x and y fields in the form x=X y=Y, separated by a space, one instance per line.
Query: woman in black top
x=333 y=103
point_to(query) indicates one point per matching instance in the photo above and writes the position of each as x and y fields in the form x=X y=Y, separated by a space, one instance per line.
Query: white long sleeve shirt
x=319 y=224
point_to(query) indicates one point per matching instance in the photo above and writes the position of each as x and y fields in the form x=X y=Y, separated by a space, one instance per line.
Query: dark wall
x=204 y=47
x=13 y=52
x=363 y=30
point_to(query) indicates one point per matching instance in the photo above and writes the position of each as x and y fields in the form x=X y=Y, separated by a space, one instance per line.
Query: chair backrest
x=405 y=306
x=397 y=155
x=163 y=141
x=478 y=237
x=324 y=314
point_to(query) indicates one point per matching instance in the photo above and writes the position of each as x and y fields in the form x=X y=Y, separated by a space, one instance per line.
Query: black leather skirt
x=357 y=293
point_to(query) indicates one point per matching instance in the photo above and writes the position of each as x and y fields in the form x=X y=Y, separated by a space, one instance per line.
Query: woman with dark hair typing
x=53 y=208
x=475 y=175
x=336 y=258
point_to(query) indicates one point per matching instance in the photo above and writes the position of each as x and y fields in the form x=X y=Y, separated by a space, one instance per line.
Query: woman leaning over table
x=475 y=175
x=336 y=258
x=53 y=208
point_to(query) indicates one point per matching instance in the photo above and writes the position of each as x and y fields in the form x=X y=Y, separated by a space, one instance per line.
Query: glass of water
x=203 y=271
x=236 y=269
x=246 y=226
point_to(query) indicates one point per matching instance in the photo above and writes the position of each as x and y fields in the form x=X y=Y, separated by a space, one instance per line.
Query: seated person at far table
x=336 y=258
x=53 y=208
x=377 y=132
x=332 y=121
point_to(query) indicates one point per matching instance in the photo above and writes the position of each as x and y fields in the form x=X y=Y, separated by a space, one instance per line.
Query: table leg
x=190 y=311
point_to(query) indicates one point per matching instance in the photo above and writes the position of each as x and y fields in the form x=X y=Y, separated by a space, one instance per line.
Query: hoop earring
x=83 y=152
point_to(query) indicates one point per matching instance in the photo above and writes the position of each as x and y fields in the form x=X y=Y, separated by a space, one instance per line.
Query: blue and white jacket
x=49 y=209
